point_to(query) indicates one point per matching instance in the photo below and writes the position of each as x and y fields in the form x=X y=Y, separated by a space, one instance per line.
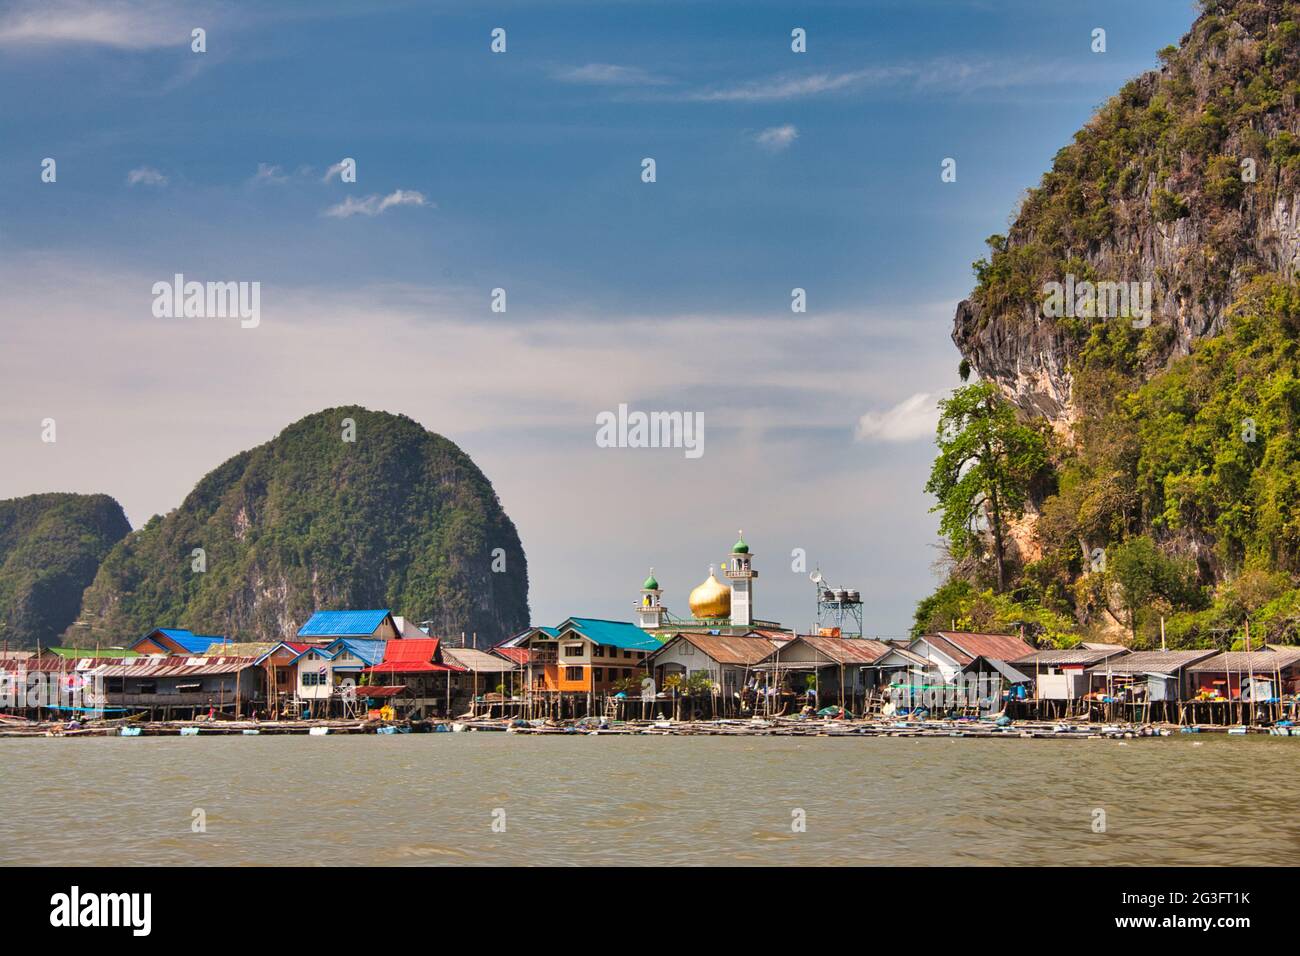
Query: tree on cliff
x=986 y=465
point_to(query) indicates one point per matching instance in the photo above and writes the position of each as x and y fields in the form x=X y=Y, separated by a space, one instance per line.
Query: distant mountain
x=398 y=518
x=50 y=548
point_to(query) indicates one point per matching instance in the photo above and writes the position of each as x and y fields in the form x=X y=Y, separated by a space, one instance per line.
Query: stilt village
x=720 y=670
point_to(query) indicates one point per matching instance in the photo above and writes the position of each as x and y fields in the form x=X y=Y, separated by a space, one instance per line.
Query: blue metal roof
x=370 y=652
x=198 y=643
x=343 y=623
x=191 y=642
x=620 y=634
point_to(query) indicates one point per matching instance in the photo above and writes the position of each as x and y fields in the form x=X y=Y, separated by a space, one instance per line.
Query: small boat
x=441 y=729
x=250 y=731
x=128 y=731
x=318 y=731
x=393 y=730
x=1237 y=731
x=189 y=731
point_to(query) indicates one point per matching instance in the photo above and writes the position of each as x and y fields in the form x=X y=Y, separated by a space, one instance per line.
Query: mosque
x=714 y=606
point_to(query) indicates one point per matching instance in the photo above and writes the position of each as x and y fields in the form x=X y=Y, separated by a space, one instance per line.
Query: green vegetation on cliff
x=50 y=547
x=1174 y=478
x=1169 y=146
x=1178 y=497
x=398 y=518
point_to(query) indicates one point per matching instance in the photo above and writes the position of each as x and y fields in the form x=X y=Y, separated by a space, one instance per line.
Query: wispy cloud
x=335 y=169
x=124 y=24
x=375 y=204
x=145 y=176
x=609 y=74
x=268 y=175
x=777 y=138
x=938 y=75
x=787 y=87
x=911 y=419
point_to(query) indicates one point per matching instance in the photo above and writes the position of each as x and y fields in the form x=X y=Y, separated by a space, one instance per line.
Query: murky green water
x=433 y=799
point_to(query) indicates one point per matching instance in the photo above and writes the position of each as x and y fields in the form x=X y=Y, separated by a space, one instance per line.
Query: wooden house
x=727 y=660
x=1144 y=684
x=182 y=687
x=585 y=658
x=816 y=669
x=174 y=640
x=950 y=651
x=416 y=663
x=1059 y=674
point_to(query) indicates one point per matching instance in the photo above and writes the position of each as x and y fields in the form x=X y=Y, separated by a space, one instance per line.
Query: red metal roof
x=412 y=650
x=411 y=655
x=518 y=655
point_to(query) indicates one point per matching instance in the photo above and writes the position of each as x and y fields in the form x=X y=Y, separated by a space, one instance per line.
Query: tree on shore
x=987 y=462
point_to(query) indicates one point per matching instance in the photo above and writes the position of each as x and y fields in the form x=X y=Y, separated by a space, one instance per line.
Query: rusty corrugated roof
x=176 y=666
x=1150 y=662
x=1069 y=656
x=736 y=649
x=473 y=659
x=1263 y=662
x=1002 y=647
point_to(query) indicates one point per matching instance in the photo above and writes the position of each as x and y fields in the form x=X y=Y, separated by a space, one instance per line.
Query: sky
x=522 y=170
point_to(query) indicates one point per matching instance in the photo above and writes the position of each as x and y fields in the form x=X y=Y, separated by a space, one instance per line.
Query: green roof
x=615 y=633
x=73 y=653
x=740 y=547
x=650 y=583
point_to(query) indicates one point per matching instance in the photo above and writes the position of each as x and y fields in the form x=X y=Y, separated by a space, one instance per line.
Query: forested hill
x=397 y=517
x=50 y=548
x=1169 y=480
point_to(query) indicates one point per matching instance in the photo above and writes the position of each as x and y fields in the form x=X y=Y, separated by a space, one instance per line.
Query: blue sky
x=522 y=170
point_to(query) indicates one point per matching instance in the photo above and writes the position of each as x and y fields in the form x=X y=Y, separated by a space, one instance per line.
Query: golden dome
x=711 y=599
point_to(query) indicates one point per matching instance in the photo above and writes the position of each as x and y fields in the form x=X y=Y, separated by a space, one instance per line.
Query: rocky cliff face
x=397 y=518
x=1187 y=180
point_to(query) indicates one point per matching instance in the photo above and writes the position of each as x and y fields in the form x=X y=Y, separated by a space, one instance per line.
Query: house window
x=599 y=673
x=627 y=654
x=598 y=650
x=627 y=672
x=573 y=650
x=688 y=648
x=573 y=673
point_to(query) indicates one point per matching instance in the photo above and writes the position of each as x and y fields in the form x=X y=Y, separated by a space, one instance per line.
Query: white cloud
x=266 y=173
x=375 y=204
x=911 y=419
x=124 y=24
x=608 y=74
x=777 y=138
x=335 y=169
x=793 y=87
x=937 y=75
x=145 y=176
